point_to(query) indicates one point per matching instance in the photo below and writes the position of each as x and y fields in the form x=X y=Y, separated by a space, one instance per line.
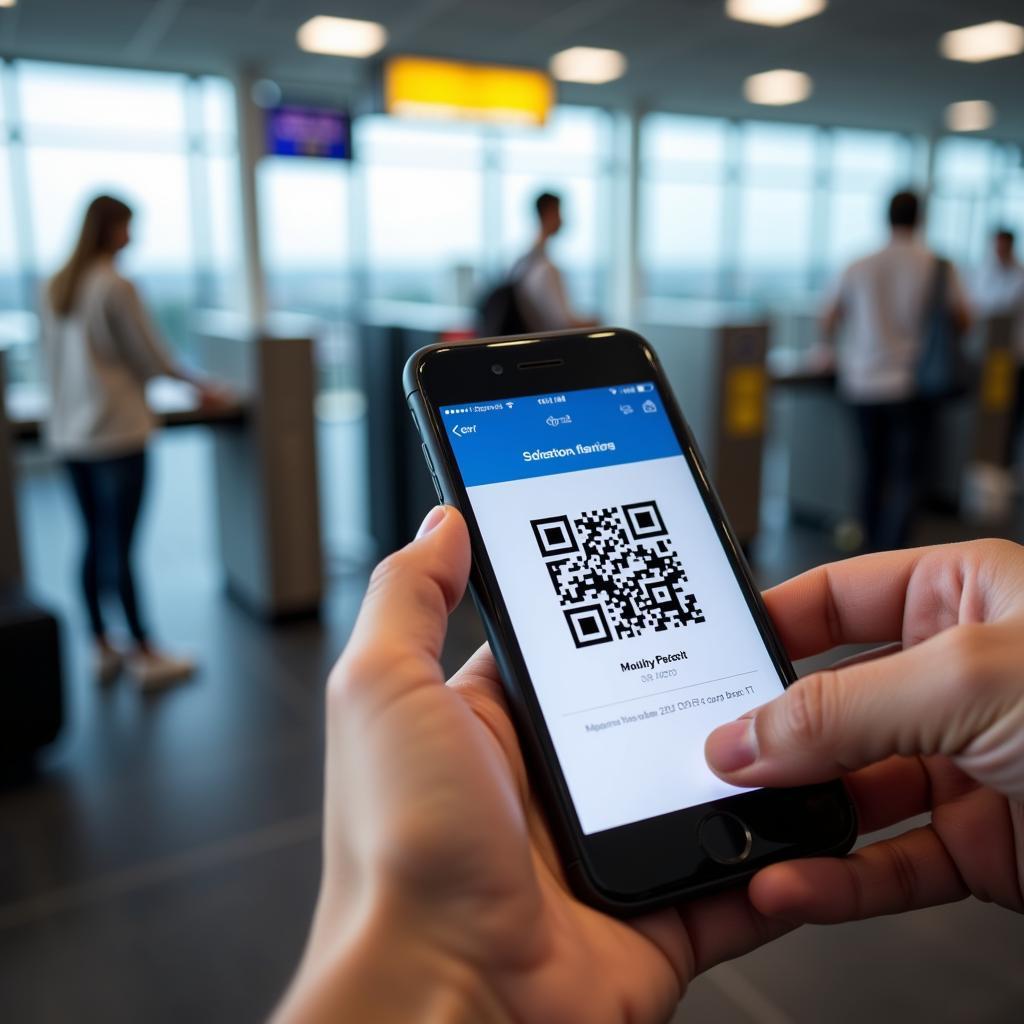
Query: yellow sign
x=998 y=380
x=452 y=90
x=744 y=401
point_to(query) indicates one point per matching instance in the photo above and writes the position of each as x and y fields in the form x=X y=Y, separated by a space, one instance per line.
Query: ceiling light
x=970 y=116
x=778 y=88
x=8 y=3
x=773 y=12
x=588 y=64
x=989 y=41
x=341 y=37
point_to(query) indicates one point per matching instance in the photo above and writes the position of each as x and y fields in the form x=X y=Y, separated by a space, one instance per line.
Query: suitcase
x=31 y=684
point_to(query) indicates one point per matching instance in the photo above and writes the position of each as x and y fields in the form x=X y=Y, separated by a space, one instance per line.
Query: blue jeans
x=109 y=493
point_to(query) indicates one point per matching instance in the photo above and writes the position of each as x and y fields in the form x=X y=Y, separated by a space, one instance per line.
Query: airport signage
x=456 y=90
x=309 y=131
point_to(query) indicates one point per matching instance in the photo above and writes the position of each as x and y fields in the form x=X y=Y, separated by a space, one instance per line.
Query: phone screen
x=634 y=629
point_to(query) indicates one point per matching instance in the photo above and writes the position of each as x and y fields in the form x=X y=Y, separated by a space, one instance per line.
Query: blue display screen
x=309 y=131
x=561 y=432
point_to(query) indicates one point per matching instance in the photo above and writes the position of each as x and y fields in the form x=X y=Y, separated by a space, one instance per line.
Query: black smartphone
x=620 y=609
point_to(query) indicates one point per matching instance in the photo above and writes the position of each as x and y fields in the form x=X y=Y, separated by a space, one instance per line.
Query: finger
x=889 y=792
x=479 y=674
x=858 y=600
x=928 y=699
x=911 y=871
x=401 y=625
x=876 y=652
x=727 y=925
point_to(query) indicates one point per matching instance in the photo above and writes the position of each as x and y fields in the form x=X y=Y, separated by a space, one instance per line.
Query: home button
x=724 y=838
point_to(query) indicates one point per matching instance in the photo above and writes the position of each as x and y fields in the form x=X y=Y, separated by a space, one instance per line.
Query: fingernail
x=434 y=517
x=733 y=746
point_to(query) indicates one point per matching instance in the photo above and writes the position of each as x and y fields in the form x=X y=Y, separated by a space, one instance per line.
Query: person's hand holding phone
x=936 y=727
x=441 y=894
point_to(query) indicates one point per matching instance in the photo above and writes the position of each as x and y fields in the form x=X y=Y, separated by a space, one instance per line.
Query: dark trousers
x=893 y=438
x=109 y=493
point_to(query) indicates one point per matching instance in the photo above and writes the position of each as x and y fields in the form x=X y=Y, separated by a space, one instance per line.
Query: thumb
x=397 y=640
x=943 y=696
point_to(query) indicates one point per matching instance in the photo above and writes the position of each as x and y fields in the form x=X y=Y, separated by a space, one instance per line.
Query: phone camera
x=497 y=369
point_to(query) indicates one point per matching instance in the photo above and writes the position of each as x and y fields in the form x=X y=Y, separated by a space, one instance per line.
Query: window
x=305 y=234
x=570 y=157
x=777 y=177
x=761 y=211
x=423 y=193
x=963 y=205
x=163 y=142
x=682 y=204
x=866 y=169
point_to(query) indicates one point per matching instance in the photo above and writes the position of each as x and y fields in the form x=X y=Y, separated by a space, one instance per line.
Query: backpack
x=499 y=311
x=941 y=370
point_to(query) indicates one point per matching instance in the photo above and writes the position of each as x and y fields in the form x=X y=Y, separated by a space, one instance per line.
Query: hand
x=937 y=727
x=441 y=889
x=821 y=358
x=214 y=397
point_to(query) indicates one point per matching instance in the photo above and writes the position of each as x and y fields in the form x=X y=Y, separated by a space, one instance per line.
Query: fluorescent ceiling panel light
x=778 y=88
x=988 y=41
x=341 y=37
x=590 y=65
x=970 y=116
x=8 y=3
x=775 y=13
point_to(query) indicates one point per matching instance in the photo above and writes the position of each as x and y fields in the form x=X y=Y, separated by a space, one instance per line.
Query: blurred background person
x=998 y=290
x=542 y=293
x=878 y=315
x=100 y=348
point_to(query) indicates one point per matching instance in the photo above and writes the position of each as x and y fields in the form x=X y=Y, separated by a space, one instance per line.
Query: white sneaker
x=106 y=664
x=153 y=670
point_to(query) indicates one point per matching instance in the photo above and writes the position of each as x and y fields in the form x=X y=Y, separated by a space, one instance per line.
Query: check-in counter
x=714 y=357
x=23 y=409
x=264 y=452
x=816 y=436
x=268 y=497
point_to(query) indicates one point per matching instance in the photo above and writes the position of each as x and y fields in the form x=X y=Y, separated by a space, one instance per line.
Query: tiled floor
x=162 y=866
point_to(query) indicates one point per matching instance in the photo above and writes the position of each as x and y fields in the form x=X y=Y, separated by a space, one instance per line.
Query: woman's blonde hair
x=104 y=215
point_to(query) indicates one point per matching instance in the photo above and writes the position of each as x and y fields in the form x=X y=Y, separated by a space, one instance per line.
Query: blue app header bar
x=541 y=435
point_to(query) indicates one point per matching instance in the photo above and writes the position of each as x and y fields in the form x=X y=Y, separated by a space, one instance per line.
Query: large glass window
x=963 y=204
x=304 y=207
x=866 y=169
x=682 y=204
x=570 y=157
x=761 y=211
x=213 y=149
x=9 y=272
x=423 y=208
x=164 y=143
x=777 y=176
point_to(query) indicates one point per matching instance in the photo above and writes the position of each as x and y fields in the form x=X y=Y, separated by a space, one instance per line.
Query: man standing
x=881 y=304
x=540 y=288
x=999 y=291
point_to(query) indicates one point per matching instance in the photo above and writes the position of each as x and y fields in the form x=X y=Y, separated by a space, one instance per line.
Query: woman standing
x=100 y=348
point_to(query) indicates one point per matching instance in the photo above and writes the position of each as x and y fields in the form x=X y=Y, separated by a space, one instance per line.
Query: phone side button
x=724 y=838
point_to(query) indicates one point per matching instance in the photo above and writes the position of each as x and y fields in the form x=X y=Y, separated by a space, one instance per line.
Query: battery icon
x=645 y=387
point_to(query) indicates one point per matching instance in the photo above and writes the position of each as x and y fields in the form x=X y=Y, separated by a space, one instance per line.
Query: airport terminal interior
x=312 y=200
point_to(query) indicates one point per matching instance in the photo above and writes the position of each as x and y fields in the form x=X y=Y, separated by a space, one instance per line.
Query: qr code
x=615 y=573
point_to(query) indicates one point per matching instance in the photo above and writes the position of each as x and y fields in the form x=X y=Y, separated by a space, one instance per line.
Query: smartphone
x=620 y=609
